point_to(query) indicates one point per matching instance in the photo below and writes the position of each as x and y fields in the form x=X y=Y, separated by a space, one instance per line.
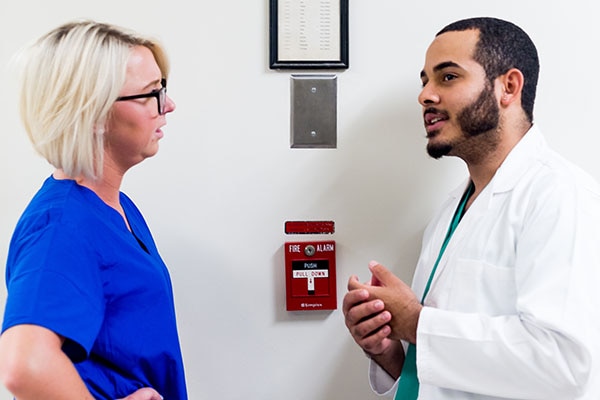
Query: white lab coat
x=514 y=309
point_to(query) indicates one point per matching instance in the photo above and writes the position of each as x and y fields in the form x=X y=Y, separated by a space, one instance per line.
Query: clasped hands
x=381 y=311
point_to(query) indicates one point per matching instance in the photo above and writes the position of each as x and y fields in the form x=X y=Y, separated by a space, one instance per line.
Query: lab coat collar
x=525 y=152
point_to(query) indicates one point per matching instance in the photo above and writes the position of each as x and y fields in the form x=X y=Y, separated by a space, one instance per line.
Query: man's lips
x=434 y=119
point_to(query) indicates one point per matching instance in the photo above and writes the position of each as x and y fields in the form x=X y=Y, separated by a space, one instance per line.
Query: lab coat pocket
x=482 y=287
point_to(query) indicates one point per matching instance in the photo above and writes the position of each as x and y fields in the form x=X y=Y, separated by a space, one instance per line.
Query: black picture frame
x=277 y=61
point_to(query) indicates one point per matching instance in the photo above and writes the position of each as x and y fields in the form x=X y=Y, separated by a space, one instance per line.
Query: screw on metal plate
x=309 y=250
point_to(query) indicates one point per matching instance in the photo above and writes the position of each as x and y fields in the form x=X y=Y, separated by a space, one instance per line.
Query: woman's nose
x=170 y=105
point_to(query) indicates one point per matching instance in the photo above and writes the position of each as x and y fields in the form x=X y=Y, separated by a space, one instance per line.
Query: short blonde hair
x=70 y=79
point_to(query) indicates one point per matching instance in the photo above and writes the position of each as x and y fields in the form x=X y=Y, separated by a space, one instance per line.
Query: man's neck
x=482 y=171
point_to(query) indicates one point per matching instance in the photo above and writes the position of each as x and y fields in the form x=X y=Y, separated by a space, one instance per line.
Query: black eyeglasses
x=161 y=96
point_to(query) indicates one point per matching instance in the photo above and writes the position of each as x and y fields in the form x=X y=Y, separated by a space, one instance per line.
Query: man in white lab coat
x=505 y=302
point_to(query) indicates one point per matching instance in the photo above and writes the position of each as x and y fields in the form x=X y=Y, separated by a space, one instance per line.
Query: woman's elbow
x=14 y=373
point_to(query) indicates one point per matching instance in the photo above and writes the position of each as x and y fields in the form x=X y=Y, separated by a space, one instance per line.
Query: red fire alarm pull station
x=310 y=276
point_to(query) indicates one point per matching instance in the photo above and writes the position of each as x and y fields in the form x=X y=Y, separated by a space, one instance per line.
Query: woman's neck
x=106 y=188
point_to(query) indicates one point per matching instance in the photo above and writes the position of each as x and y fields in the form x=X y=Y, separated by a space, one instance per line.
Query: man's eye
x=449 y=77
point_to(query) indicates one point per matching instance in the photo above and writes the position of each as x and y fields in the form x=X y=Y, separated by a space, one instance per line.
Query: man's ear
x=512 y=85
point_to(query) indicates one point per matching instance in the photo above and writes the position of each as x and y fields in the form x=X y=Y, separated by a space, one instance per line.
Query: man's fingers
x=373 y=344
x=359 y=313
x=354 y=298
x=353 y=282
x=371 y=333
x=381 y=275
x=367 y=326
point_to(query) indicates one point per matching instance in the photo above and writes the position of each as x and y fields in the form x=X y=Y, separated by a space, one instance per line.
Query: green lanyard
x=460 y=211
x=408 y=387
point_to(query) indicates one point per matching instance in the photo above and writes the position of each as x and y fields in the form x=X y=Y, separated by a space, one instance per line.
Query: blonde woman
x=90 y=310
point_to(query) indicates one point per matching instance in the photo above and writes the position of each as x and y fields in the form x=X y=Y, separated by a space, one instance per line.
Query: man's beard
x=481 y=116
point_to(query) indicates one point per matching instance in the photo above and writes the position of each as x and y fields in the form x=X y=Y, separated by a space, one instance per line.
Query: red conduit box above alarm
x=309 y=227
x=310 y=275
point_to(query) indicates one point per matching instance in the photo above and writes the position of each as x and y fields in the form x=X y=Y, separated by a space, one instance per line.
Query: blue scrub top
x=74 y=268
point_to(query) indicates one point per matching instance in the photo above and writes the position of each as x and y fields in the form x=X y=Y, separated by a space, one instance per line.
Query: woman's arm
x=33 y=365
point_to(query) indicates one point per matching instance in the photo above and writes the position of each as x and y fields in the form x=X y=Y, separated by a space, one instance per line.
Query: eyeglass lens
x=162 y=100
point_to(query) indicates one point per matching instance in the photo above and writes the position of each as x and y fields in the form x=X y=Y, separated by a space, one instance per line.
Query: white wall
x=225 y=180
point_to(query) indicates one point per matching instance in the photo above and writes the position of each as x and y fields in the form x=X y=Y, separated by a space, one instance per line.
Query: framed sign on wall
x=308 y=34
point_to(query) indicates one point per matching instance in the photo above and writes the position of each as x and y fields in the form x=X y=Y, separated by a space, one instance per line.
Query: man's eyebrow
x=444 y=65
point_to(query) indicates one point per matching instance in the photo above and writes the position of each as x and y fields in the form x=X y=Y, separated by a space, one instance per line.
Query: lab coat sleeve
x=544 y=349
x=499 y=357
x=381 y=382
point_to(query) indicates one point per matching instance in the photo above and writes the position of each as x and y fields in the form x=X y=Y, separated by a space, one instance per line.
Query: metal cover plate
x=313 y=111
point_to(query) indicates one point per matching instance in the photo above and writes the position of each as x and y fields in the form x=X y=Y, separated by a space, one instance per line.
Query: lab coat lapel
x=469 y=220
x=525 y=152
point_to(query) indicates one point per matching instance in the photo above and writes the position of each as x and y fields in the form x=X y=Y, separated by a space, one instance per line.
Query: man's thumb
x=380 y=274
